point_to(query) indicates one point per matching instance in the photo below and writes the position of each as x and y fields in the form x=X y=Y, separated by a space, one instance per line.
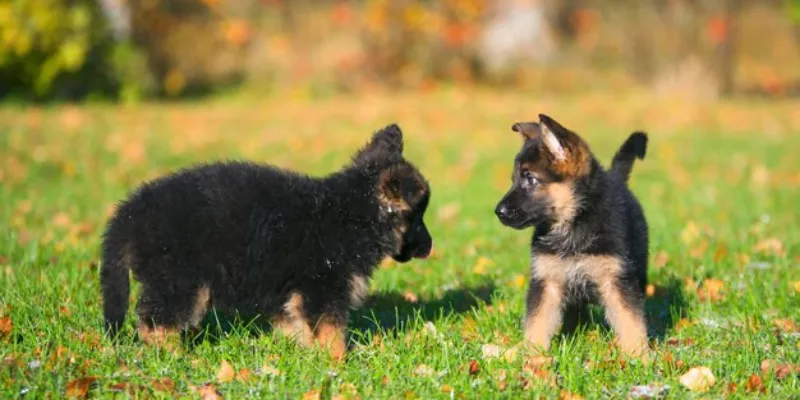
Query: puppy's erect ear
x=549 y=138
x=567 y=149
x=387 y=142
x=528 y=130
x=391 y=190
x=401 y=187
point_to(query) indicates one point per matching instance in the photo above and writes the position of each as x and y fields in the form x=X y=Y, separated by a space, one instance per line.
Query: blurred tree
x=54 y=48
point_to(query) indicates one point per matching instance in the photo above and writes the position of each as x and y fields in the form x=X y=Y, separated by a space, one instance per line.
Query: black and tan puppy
x=256 y=240
x=590 y=242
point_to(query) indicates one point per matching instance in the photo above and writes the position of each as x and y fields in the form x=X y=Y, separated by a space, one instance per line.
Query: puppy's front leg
x=330 y=334
x=624 y=308
x=544 y=312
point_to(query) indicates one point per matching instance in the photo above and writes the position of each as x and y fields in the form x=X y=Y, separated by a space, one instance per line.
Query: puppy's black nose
x=502 y=211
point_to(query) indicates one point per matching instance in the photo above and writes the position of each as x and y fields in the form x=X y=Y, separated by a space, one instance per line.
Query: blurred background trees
x=129 y=49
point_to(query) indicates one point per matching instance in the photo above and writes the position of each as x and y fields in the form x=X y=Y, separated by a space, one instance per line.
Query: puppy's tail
x=633 y=148
x=115 y=286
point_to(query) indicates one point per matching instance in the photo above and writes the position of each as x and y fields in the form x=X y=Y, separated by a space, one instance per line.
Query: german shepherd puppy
x=257 y=240
x=590 y=242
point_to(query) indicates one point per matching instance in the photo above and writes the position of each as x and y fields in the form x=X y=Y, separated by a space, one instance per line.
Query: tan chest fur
x=569 y=271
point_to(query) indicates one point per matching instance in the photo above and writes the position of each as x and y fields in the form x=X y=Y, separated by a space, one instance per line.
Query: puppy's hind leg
x=163 y=315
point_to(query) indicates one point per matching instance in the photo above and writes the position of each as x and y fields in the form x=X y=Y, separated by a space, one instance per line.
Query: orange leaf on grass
x=711 y=290
x=755 y=384
x=163 y=385
x=474 y=367
x=314 y=394
x=661 y=259
x=781 y=371
x=226 y=372
x=567 y=395
x=128 y=388
x=80 y=387
x=244 y=374
x=785 y=325
x=6 y=326
x=770 y=246
x=207 y=391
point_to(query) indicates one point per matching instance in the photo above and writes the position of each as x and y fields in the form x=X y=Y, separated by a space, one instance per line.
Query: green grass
x=719 y=183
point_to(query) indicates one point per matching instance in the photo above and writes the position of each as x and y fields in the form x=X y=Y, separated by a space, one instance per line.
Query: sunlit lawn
x=720 y=186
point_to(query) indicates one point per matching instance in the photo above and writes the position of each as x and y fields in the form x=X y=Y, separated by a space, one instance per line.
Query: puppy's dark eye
x=529 y=178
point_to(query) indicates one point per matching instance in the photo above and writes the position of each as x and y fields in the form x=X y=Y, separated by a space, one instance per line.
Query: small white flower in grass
x=759 y=265
x=35 y=364
x=651 y=391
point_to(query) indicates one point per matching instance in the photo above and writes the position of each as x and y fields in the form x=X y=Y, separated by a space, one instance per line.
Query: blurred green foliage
x=53 y=48
x=64 y=49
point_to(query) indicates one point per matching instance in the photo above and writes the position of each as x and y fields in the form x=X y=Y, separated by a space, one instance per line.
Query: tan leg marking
x=543 y=322
x=359 y=288
x=201 y=303
x=159 y=336
x=293 y=323
x=629 y=324
x=332 y=337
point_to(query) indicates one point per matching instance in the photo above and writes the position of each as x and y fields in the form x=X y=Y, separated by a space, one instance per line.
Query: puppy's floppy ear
x=387 y=142
x=528 y=130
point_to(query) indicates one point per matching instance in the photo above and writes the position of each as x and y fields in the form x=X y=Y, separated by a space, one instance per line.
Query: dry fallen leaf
x=226 y=372
x=314 y=394
x=490 y=351
x=770 y=246
x=128 y=388
x=80 y=387
x=6 y=326
x=698 y=379
x=446 y=389
x=755 y=384
x=518 y=281
x=678 y=342
x=474 y=367
x=164 y=385
x=423 y=370
x=269 y=370
x=711 y=290
x=785 y=325
x=481 y=265
x=207 y=392
x=781 y=371
x=690 y=232
x=661 y=259
x=567 y=395
x=385 y=380
x=244 y=374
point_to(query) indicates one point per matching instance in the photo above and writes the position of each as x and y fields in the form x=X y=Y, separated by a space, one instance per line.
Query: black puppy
x=257 y=240
x=590 y=241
